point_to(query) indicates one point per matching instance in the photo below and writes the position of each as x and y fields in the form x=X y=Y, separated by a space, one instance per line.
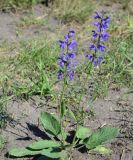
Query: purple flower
x=64 y=57
x=71 y=74
x=60 y=75
x=72 y=55
x=95 y=61
x=107 y=20
x=61 y=63
x=71 y=33
x=104 y=26
x=67 y=39
x=97 y=16
x=94 y=34
x=100 y=58
x=92 y=46
x=89 y=57
x=105 y=23
x=72 y=45
x=101 y=48
x=62 y=44
x=98 y=25
x=104 y=36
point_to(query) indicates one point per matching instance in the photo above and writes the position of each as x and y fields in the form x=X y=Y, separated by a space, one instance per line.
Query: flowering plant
x=59 y=147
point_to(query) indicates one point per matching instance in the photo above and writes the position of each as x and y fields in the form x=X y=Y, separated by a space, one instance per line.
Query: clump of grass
x=122 y=61
x=72 y=10
x=16 y=4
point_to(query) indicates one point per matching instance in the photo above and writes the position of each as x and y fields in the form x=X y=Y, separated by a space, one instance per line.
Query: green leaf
x=62 y=135
x=51 y=153
x=81 y=141
x=100 y=136
x=62 y=109
x=102 y=150
x=83 y=132
x=50 y=123
x=43 y=144
x=21 y=152
x=64 y=155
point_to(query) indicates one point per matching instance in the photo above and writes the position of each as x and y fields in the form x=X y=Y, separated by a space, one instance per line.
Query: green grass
x=120 y=59
x=33 y=71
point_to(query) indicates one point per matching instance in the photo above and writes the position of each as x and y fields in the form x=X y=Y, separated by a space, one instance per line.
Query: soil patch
x=115 y=110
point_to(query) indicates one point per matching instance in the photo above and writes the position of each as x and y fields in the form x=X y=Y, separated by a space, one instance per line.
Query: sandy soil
x=10 y=30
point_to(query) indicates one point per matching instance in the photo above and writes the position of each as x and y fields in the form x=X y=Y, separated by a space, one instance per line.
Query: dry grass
x=72 y=10
x=16 y=4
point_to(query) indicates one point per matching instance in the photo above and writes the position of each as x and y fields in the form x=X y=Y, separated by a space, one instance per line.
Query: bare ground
x=10 y=30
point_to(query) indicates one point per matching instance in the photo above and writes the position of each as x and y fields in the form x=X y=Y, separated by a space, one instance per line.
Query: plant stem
x=80 y=147
x=86 y=80
x=74 y=138
x=60 y=105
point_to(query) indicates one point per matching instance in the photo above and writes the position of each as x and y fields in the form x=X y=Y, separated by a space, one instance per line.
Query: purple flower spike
x=67 y=60
x=99 y=36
